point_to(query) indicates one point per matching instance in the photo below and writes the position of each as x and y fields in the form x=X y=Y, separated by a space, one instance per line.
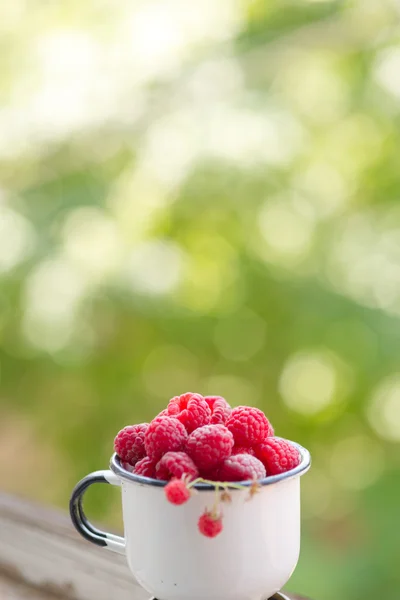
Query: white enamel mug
x=251 y=559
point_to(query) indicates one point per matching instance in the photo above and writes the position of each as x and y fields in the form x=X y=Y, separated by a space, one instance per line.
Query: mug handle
x=78 y=517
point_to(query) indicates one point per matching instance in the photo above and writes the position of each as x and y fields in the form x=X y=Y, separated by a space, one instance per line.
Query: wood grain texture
x=41 y=552
x=40 y=547
x=15 y=590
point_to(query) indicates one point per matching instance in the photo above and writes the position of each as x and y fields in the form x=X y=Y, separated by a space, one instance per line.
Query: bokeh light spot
x=215 y=80
x=17 y=238
x=286 y=230
x=53 y=294
x=363 y=259
x=309 y=382
x=92 y=242
x=249 y=137
x=313 y=85
x=154 y=267
x=136 y=201
x=384 y=409
x=387 y=70
x=170 y=149
x=325 y=187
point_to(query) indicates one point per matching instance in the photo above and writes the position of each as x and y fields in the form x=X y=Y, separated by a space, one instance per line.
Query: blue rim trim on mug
x=117 y=468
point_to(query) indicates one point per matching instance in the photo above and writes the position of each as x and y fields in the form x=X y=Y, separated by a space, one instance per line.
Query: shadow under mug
x=251 y=559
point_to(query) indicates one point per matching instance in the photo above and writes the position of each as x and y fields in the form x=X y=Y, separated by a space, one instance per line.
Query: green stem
x=216 y=501
x=217 y=484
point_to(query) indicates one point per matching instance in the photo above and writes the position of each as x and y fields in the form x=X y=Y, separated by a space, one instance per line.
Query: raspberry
x=210 y=524
x=248 y=425
x=212 y=475
x=146 y=467
x=242 y=450
x=129 y=443
x=190 y=409
x=241 y=467
x=177 y=492
x=163 y=413
x=176 y=464
x=209 y=446
x=164 y=434
x=278 y=456
x=220 y=409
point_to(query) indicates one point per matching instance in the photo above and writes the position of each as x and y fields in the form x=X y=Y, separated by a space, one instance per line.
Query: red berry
x=177 y=492
x=146 y=467
x=241 y=467
x=210 y=524
x=163 y=413
x=278 y=456
x=209 y=446
x=129 y=443
x=176 y=464
x=248 y=425
x=220 y=409
x=164 y=434
x=212 y=475
x=243 y=450
x=190 y=409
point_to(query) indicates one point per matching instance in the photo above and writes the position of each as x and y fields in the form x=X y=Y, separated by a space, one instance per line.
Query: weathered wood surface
x=43 y=558
x=14 y=590
x=40 y=547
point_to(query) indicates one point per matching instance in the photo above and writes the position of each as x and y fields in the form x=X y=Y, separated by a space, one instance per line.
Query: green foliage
x=207 y=203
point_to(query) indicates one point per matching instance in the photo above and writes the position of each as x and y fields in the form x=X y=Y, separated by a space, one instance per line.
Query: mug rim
x=305 y=463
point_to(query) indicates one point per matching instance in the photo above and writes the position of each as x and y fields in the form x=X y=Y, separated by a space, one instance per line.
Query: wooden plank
x=40 y=547
x=14 y=590
x=40 y=550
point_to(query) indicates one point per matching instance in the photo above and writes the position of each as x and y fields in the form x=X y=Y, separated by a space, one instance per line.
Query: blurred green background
x=205 y=197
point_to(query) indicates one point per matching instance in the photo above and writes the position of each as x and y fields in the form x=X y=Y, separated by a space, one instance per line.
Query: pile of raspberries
x=202 y=438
